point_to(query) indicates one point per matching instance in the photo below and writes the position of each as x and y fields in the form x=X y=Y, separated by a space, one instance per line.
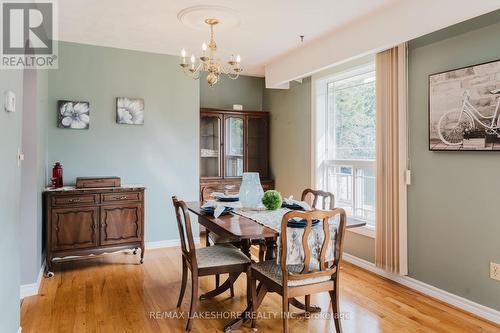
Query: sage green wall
x=10 y=138
x=453 y=216
x=360 y=246
x=246 y=90
x=290 y=136
x=162 y=154
x=33 y=172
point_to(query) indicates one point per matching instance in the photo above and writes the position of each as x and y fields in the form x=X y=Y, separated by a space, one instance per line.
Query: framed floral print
x=130 y=111
x=73 y=115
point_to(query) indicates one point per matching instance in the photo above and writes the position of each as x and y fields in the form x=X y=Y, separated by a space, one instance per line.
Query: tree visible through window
x=352 y=113
x=349 y=165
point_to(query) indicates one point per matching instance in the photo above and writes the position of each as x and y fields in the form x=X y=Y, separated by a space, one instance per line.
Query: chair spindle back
x=325 y=197
x=185 y=231
x=326 y=267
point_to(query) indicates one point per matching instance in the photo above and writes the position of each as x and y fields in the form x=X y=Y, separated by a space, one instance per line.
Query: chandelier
x=208 y=62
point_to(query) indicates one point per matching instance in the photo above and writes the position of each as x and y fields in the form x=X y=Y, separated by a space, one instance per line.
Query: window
x=345 y=126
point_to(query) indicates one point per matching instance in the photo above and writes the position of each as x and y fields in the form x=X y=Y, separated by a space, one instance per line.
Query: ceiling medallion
x=209 y=63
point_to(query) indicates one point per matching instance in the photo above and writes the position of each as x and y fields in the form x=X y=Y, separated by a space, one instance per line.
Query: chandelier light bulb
x=183 y=54
x=193 y=59
x=204 y=47
x=238 y=58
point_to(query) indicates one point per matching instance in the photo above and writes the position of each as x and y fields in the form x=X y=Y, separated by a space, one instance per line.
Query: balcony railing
x=353 y=183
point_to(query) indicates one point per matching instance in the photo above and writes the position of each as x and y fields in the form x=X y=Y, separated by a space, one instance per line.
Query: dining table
x=244 y=230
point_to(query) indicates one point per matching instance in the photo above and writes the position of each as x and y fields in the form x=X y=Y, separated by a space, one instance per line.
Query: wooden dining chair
x=213 y=260
x=320 y=200
x=327 y=199
x=292 y=281
x=211 y=237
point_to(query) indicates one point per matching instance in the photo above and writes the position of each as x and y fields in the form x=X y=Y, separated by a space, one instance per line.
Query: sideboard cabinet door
x=121 y=223
x=74 y=228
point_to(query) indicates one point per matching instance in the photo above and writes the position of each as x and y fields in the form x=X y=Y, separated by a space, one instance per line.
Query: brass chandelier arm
x=195 y=73
x=233 y=73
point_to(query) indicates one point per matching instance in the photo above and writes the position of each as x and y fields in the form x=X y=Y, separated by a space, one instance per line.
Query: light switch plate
x=9 y=103
x=495 y=271
x=20 y=157
x=408 y=177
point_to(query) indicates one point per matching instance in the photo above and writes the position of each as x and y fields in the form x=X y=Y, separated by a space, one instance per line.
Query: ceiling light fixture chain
x=209 y=63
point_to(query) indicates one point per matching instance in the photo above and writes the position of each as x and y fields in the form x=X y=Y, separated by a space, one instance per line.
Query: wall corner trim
x=31 y=289
x=439 y=294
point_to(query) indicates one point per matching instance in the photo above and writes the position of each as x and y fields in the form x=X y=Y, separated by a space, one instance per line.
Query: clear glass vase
x=251 y=191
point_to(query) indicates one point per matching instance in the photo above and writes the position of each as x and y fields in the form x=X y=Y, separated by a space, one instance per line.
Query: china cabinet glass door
x=210 y=142
x=234 y=146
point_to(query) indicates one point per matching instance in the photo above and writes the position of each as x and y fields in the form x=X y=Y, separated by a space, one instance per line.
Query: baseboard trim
x=429 y=290
x=31 y=289
x=167 y=243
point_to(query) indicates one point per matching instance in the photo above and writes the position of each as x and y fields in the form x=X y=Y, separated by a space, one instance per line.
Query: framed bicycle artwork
x=464 y=108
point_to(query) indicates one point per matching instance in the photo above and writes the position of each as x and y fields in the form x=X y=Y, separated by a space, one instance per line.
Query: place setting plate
x=300 y=223
x=293 y=206
x=225 y=197
x=211 y=210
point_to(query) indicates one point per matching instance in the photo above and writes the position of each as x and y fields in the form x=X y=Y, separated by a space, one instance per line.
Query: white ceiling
x=267 y=30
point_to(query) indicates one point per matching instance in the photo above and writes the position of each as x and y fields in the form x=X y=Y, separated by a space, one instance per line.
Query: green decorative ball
x=272 y=200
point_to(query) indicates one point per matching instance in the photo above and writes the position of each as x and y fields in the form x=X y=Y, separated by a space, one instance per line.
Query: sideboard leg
x=142 y=254
x=49 y=269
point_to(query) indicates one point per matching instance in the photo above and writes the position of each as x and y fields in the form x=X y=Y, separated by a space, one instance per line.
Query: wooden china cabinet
x=232 y=142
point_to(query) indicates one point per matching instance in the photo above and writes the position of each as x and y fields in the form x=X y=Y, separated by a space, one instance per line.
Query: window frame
x=321 y=149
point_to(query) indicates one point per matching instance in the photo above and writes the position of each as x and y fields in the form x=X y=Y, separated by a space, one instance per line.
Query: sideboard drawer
x=88 y=199
x=114 y=197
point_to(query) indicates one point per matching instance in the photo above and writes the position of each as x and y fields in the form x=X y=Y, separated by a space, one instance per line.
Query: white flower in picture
x=73 y=115
x=130 y=111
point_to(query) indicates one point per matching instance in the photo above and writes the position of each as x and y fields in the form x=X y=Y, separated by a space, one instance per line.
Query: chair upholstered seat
x=218 y=239
x=272 y=270
x=220 y=255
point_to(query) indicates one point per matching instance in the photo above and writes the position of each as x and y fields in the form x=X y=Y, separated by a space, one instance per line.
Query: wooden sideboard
x=81 y=222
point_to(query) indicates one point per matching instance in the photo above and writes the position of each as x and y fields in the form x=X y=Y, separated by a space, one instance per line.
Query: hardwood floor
x=114 y=294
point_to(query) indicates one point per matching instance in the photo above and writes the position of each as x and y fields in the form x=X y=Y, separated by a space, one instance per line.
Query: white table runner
x=269 y=218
